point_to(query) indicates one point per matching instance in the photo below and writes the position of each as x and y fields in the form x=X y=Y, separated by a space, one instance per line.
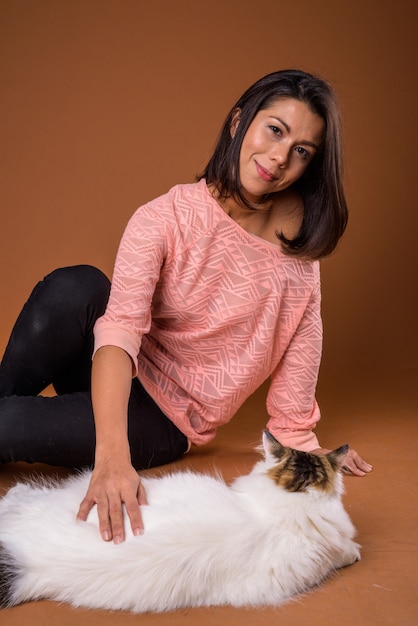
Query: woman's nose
x=280 y=154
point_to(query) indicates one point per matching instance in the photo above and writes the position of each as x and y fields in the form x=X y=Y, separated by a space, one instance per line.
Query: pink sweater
x=208 y=311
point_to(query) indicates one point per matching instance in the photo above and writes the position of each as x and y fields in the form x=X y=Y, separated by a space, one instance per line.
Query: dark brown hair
x=321 y=185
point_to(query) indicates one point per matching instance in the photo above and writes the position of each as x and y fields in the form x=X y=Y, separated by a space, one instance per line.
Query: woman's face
x=278 y=146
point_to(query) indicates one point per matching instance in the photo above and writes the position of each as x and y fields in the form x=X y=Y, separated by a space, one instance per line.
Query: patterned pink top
x=208 y=311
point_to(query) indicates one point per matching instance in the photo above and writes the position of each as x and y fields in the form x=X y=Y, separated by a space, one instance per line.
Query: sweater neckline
x=252 y=237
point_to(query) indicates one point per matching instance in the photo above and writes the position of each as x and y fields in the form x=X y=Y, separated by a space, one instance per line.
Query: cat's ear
x=271 y=445
x=337 y=457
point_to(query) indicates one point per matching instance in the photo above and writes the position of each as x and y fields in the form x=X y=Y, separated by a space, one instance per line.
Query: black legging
x=52 y=343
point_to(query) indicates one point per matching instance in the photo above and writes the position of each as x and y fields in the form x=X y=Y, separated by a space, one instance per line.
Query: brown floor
x=381 y=589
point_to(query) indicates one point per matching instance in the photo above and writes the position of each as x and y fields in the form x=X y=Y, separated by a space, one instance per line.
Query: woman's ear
x=235 y=121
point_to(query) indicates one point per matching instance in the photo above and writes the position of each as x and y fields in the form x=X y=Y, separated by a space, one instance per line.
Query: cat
x=271 y=534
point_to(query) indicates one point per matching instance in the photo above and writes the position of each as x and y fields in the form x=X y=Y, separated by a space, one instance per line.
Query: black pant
x=52 y=343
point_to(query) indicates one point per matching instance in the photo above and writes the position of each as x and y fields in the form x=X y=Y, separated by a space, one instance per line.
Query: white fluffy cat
x=273 y=533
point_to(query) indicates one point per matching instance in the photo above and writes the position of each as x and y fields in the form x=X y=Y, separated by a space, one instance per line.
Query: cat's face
x=294 y=470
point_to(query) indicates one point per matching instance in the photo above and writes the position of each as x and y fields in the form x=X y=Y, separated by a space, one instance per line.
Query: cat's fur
x=273 y=533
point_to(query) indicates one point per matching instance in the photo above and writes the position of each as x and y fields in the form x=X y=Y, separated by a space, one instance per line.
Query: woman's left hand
x=354 y=465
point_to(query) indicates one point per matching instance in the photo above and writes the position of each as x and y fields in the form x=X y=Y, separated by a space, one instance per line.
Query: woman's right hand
x=114 y=485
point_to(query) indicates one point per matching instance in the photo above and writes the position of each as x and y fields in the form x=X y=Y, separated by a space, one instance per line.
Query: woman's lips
x=264 y=174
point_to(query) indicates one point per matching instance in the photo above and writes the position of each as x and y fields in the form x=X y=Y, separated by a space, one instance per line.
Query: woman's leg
x=60 y=430
x=56 y=430
x=52 y=343
x=52 y=340
x=154 y=439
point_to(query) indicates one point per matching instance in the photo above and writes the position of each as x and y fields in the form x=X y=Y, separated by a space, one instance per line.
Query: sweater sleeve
x=291 y=405
x=137 y=268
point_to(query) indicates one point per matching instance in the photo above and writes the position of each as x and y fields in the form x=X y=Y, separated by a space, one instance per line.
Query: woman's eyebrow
x=287 y=127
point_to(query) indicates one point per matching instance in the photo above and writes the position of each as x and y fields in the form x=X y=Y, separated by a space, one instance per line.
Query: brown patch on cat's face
x=296 y=471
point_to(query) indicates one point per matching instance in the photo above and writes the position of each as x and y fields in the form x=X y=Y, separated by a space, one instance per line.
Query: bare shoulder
x=286 y=213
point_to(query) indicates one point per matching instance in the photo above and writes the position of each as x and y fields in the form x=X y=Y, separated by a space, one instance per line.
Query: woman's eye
x=276 y=130
x=303 y=153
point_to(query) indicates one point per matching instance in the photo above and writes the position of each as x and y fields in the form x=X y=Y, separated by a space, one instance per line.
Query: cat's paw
x=351 y=556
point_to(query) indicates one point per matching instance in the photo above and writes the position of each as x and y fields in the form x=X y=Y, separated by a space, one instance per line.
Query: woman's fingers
x=112 y=496
x=134 y=513
x=111 y=518
x=85 y=508
x=355 y=465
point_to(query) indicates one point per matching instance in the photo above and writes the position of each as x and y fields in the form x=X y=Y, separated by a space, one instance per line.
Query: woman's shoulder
x=286 y=213
x=182 y=213
x=185 y=191
x=179 y=198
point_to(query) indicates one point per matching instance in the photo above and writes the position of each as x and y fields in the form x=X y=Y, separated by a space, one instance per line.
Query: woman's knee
x=77 y=284
x=66 y=299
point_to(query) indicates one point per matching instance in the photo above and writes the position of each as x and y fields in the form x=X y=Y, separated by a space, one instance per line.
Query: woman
x=215 y=289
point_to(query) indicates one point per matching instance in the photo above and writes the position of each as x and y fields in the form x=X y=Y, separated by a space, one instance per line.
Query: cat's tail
x=9 y=573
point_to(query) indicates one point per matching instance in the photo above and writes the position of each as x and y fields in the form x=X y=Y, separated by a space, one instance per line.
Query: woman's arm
x=291 y=402
x=118 y=335
x=114 y=481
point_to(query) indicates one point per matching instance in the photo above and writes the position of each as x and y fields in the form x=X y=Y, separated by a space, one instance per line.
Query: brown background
x=107 y=103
